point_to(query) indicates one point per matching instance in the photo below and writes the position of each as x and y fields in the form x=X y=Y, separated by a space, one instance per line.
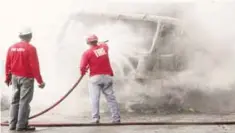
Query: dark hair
x=93 y=43
x=27 y=37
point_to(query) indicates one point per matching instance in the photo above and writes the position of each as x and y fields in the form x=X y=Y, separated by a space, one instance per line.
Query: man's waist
x=23 y=74
x=101 y=73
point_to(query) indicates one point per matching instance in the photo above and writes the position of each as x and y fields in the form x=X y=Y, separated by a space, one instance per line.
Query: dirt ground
x=132 y=117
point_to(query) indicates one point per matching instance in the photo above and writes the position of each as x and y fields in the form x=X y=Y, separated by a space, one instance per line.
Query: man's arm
x=34 y=64
x=8 y=68
x=84 y=64
x=105 y=45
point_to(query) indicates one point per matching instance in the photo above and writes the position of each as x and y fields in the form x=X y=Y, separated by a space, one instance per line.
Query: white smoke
x=209 y=26
x=211 y=47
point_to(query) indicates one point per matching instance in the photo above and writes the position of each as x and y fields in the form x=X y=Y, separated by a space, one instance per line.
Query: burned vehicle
x=147 y=57
x=160 y=54
x=154 y=59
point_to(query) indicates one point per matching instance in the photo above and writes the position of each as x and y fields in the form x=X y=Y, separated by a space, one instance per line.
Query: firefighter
x=96 y=59
x=22 y=67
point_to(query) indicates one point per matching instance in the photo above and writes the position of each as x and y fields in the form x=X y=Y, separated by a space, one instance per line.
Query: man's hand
x=8 y=82
x=42 y=85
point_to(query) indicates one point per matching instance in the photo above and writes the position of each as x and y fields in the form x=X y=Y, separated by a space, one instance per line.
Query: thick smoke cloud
x=205 y=82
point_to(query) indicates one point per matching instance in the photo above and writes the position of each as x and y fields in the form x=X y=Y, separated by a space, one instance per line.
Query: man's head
x=25 y=34
x=92 y=40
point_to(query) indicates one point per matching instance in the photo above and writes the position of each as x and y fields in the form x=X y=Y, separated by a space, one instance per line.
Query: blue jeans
x=104 y=84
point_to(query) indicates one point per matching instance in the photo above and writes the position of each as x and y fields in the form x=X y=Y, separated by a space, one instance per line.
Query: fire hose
x=54 y=105
x=110 y=124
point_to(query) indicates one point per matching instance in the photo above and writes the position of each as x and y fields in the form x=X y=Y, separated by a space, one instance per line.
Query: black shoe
x=26 y=129
x=12 y=128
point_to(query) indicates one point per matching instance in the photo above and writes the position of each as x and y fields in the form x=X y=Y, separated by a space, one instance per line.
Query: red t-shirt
x=22 y=60
x=96 y=59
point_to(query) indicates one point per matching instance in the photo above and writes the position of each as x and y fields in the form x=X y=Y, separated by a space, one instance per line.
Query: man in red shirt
x=22 y=66
x=96 y=59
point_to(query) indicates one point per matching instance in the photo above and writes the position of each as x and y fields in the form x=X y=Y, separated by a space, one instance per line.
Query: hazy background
x=210 y=49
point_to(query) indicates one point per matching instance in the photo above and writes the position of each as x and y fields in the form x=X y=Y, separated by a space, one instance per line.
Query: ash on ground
x=176 y=100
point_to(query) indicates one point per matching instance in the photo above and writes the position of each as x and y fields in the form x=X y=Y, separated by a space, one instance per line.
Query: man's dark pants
x=22 y=95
